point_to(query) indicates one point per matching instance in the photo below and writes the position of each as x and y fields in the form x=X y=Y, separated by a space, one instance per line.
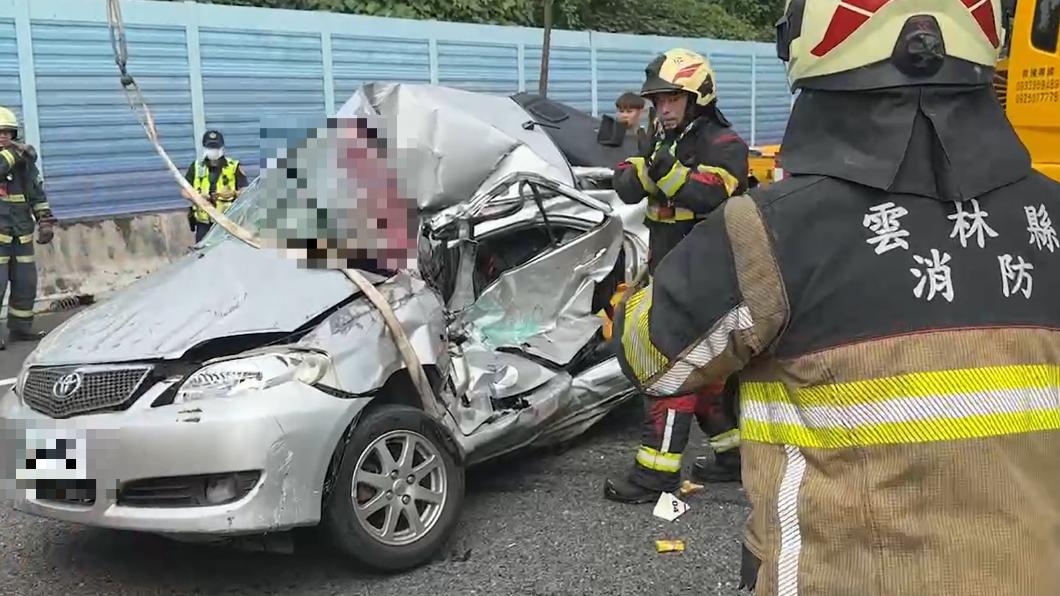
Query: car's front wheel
x=398 y=492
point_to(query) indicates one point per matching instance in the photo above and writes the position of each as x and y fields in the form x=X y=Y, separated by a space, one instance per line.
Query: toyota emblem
x=67 y=386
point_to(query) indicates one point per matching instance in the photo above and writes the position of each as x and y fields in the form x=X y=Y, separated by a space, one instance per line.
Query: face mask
x=214 y=154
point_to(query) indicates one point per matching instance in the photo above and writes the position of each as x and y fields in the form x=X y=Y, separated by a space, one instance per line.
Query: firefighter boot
x=725 y=467
x=626 y=491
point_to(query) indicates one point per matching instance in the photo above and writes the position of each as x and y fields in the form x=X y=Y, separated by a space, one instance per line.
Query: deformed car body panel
x=227 y=290
x=544 y=306
x=360 y=344
x=455 y=143
x=288 y=432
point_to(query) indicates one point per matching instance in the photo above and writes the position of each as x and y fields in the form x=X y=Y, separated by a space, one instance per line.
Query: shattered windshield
x=330 y=191
x=248 y=212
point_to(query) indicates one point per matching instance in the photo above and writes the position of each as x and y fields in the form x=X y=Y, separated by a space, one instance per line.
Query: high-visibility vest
x=226 y=181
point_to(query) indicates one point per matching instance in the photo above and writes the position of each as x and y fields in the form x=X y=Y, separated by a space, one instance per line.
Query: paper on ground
x=669 y=507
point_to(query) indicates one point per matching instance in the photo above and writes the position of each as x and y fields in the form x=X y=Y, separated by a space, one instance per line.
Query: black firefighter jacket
x=22 y=197
x=895 y=311
x=685 y=176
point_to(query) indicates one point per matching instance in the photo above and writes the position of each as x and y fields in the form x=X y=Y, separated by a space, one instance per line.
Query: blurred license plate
x=52 y=454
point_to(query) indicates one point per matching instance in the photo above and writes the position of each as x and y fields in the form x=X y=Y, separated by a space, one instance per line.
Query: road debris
x=669 y=507
x=690 y=488
x=670 y=546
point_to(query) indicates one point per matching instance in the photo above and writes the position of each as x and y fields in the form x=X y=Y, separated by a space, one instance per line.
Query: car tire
x=358 y=515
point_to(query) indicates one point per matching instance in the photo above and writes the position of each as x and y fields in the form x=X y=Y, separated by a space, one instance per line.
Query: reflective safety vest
x=226 y=181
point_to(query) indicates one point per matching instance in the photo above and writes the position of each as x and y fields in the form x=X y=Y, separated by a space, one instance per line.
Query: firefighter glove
x=29 y=153
x=667 y=172
x=46 y=228
x=661 y=164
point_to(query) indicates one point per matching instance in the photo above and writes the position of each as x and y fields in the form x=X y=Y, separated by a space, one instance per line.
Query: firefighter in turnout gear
x=217 y=178
x=23 y=207
x=893 y=309
x=692 y=169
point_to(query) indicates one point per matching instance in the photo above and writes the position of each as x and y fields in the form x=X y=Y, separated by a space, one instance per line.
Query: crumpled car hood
x=227 y=290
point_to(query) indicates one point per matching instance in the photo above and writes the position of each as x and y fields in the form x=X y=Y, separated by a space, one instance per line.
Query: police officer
x=217 y=178
x=893 y=308
x=696 y=165
x=22 y=205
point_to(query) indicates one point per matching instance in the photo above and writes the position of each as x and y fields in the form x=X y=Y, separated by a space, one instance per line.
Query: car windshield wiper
x=530 y=124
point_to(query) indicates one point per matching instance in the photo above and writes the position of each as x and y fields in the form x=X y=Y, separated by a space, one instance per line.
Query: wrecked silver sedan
x=236 y=393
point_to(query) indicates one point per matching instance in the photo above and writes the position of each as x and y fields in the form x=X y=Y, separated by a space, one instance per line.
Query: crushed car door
x=544 y=306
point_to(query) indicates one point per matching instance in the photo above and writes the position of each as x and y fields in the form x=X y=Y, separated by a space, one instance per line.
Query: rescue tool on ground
x=891 y=310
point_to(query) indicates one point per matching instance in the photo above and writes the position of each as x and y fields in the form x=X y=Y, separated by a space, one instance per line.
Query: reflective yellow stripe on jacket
x=641 y=167
x=8 y=156
x=730 y=181
x=915 y=408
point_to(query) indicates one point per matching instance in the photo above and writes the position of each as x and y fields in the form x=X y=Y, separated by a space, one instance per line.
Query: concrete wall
x=94 y=258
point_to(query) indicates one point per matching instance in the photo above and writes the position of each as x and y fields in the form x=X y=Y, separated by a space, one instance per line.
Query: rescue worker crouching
x=696 y=165
x=23 y=206
x=892 y=308
x=217 y=178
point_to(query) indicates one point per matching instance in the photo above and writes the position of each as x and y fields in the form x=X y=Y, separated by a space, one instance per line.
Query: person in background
x=217 y=178
x=629 y=110
x=22 y=204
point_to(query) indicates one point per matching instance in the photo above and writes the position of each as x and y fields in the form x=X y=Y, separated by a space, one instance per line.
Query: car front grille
x=61 y=392
x=70 y=492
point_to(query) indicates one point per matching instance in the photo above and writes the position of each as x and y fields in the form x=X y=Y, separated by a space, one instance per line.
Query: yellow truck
x=1027 y=84
x=763 y=166
x=1028 y=79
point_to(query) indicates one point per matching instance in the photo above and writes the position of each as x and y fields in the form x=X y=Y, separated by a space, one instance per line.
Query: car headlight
x=229 y=378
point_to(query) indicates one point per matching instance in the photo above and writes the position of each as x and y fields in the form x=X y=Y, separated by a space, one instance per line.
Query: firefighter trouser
x=667 y=426
x=668 y=421
x=663 y=237
x=18 y=267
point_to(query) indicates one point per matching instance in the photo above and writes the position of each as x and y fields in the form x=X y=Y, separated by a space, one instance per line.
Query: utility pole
x=542 y=84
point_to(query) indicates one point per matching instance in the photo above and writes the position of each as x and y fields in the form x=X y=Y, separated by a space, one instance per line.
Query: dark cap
x=213 y=140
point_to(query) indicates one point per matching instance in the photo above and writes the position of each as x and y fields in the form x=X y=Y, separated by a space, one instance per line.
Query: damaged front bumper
x=264 y=456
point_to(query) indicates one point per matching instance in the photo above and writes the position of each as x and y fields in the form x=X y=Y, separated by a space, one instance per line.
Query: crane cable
x=418 y=376
x=143 y=113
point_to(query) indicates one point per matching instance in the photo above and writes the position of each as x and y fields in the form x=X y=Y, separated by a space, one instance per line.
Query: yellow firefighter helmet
x=876 y=44
x=8 y=121
x=681 y=70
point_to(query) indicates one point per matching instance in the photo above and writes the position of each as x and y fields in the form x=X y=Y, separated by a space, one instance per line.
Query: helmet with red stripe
x=877 y=44
x=681 y=70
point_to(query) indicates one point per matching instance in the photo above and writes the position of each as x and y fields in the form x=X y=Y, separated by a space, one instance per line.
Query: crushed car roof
x=453 y=143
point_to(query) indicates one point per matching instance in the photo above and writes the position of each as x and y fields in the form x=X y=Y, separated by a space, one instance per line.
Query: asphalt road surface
x=535 y=523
